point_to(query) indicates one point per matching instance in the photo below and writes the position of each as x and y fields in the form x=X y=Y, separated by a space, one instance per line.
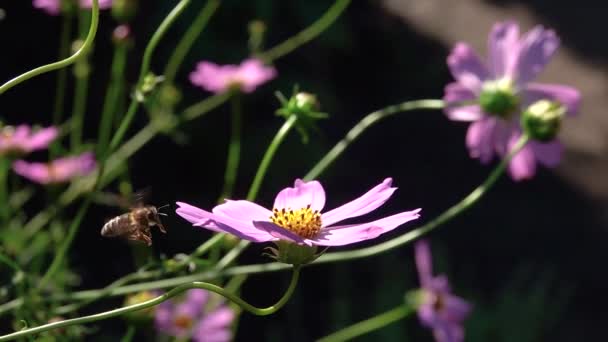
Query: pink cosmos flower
x=492 y=95
x=296 y=217
x=53 y=7
x=21 y=139
x=58 y=170
x=189 y=319
x=247 y=76
x=440 y=310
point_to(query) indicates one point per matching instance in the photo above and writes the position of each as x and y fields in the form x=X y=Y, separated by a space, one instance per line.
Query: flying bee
x=135 y=225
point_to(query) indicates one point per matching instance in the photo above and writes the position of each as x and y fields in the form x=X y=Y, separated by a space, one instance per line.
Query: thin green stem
x=307 y=34
x=269 y=155
x=5 y=165
x=145 y=68
x=88 y=43
x=446 y=216
x=188 y=39
x=363 y=125
x=113 y=93
x=62 y=77
x=369 y=325
x=202 y=107
x=153 y=302
x=234 y=148
x=130 y=334
x=82 y=75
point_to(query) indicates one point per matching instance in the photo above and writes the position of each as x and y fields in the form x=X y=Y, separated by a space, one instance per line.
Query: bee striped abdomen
x=117 y=226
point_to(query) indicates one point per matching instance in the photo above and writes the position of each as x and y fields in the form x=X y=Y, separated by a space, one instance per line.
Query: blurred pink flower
x=190 y=319
x=53 y=7
x=247 y=76
x=492 y=95
x=21 y=139
x=439 y=309
x=296 y=217
x=57 y=171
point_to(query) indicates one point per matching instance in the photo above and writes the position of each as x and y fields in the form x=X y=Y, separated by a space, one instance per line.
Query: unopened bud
x=121 y=35
x=542 y=119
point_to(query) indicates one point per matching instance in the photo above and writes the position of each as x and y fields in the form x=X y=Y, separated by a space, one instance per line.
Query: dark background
x=529 y=257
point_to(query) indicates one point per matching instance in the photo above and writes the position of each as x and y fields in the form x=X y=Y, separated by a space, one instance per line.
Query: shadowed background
x=528 y=257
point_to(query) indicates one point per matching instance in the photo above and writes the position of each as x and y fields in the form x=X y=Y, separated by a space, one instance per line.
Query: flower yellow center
x=7 y=132
x=305 y=222
x=183 y=321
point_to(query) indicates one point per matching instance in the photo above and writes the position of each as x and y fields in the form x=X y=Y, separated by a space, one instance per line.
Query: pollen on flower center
x=183 y=321
x=305 y=222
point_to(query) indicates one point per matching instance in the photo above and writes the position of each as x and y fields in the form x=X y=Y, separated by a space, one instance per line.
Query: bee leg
x=162 y=229
x=141 y=236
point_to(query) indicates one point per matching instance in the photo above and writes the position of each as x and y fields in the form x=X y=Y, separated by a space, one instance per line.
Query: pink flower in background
x=57 y=171
x=296 y=217
x=53 y=7
x=247 y=76
x=189 y=319
x=492 y=95
x=439 y=310
x=21 y=139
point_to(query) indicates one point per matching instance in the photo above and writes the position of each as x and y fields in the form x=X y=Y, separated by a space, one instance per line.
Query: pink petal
x=252 y=73
x=523 y=165
x=486 y=137
x=42 y=138
x=368 y=202
x=568 y=96
x=52 y=7
x=536 y=48
x=280 y=233
x=205 y=219
x=467 y=68
x=424 y=262
x=301 y=195
x=503 y=44
x=344 y=235
x=548 y=154
x=456 y=96
x=36 y=172
x=455 y=309
x=243 y=211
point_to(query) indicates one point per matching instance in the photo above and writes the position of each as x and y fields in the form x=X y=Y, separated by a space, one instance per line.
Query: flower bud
x=121 y=35
x=124 y=10
x=293 y=254
x=542 y=119
x=302 y=104
x=498 y=98
x=257 y=29
x=138 y=298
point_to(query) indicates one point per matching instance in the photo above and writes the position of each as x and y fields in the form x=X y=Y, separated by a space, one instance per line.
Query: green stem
x=204 y=106
x=145 y=68
x=369 y=325
x=234 y=148
x=62 y=77
x=269 y=155
x=62 y=63
x=5 y=166
x=307 y=34
x=113 y=93
x=131 y=330
x=363 y=125
x=446 y=216
x=188 y=39
x=153 y=302
x=82 y=75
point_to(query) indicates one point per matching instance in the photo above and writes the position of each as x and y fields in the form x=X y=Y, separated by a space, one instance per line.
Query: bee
x=135 y=225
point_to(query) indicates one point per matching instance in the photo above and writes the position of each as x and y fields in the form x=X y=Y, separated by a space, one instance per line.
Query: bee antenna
x=162 y=214
x=163 y=206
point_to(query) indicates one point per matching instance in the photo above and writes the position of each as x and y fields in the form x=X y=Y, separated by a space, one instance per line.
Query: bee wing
x=138 y=197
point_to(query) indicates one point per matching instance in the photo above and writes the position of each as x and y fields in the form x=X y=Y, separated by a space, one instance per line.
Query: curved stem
x=188 y=39
x=62 y=63
x=364 y=124
x=234 y=148
x=269 y=155
x=307 y=34
x=62 y=77
x=153 y=302
x=446 y=216
x=369 y=325
x=145 y=68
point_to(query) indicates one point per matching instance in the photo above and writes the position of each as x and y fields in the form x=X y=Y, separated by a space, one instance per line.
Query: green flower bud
x=542 y=119
x=499 y=98
x=293 y=254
